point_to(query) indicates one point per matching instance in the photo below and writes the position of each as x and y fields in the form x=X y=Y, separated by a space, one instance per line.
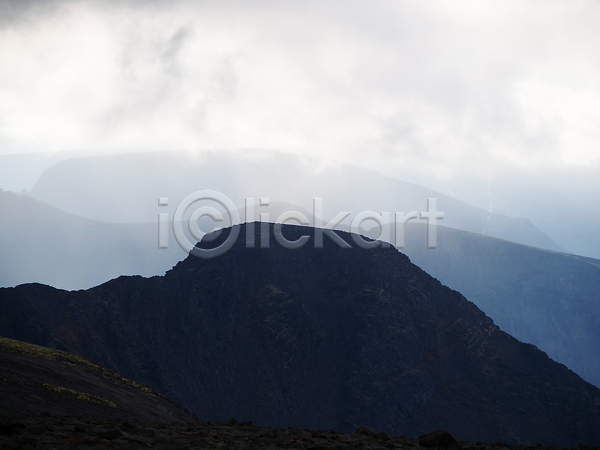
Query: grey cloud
x=17 y=11
x=415 y=90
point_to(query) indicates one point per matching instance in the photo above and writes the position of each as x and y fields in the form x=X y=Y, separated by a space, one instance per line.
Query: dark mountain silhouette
x=125 y=188
x=78 y=253
x=315 y=338
x=37 y=380
x=546 y=298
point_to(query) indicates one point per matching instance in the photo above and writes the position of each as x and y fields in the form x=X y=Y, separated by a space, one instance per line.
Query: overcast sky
x=496 y=103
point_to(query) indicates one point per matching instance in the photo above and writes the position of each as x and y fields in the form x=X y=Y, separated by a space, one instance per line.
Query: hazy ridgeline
x=126 y=188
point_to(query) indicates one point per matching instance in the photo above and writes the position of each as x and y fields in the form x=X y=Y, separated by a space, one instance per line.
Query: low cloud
x=444 y=94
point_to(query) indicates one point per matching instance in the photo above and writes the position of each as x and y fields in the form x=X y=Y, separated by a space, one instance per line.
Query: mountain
x=325 y=338
x=541 y=297
x=126 y=188
x=20 y=171
x=40 y=243
x=37 y=380
x=549 y=299
x=545 y=298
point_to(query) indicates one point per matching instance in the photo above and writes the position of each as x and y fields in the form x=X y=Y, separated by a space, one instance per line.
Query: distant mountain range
x=315 y=338
x=126 y=188
x=19 y=172
x=40 y=243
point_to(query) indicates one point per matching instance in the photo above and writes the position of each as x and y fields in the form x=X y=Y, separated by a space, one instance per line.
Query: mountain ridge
x=519 y=287
x=102 y=180
x=41 y=243
x=315 y=338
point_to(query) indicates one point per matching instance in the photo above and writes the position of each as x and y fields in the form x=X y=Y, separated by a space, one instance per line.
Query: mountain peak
x=322 y=338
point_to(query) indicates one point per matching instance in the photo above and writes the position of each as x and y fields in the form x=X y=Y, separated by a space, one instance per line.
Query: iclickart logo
x=222 y=211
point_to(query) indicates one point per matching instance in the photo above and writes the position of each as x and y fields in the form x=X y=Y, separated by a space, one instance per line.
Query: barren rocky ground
x=44 y=431
x=54 y=400
x=36 y=380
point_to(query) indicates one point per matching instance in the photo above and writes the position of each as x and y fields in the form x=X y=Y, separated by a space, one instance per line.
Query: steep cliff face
x=316 y=338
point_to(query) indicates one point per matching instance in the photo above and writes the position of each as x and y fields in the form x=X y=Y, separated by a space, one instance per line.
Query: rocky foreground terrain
x=51 y=399
x=45 y=431
x=38 y=380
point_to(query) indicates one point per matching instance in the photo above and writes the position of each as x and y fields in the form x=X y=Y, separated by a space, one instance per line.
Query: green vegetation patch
x=78 y=395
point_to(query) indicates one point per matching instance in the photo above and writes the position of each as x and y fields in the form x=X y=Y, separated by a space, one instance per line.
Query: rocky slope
x=38 y=380
x=315 y=338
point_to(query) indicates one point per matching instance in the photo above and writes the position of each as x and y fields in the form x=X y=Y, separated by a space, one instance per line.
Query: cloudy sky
x=496 y=103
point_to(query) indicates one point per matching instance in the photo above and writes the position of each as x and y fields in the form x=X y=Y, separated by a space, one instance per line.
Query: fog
x=494 y=103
